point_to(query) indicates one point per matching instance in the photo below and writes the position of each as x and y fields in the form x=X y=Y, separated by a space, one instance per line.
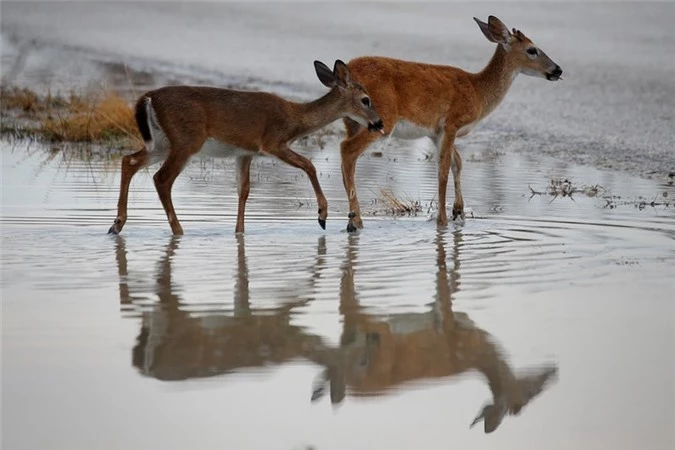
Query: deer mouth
x=376 y=126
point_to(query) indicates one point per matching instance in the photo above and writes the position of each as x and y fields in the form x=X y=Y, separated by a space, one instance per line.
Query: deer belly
x=218 y=149
x=409 y=130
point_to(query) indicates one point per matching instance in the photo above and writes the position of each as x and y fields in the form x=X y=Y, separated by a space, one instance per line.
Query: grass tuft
x=399 y=206
x=107 y=119
x=98 y=117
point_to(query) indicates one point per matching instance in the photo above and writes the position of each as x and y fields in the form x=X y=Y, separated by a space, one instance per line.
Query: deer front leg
x=290 y=157
x=444 y=162
x=350 y=150
x=130 y=165
x=243 y=187
x=456 y=166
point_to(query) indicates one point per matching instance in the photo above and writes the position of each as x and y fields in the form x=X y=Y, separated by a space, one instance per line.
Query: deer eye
x=366 y=101
x=532 y=51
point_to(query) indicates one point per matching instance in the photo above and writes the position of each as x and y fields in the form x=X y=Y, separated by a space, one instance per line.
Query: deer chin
x=552 y=77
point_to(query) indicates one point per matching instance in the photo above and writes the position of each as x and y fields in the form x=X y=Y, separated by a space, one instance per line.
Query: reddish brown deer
x=177 y=121
x=418 y=100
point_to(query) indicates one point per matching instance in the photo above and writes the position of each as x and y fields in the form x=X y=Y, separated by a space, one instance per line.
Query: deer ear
x=325 y=75
x=499 y=32
x=485 y=29
x=495 y=31
x=341 y=73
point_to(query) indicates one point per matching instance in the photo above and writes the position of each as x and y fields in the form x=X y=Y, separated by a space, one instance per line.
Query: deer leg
x=164 y=179
x=243 y=187
x=456 y=166
x=290 y=157
x=130 y=165
x=350 y=150
x=444 y=162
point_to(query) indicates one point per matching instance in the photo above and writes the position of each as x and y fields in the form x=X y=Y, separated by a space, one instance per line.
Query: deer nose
x=557 y=71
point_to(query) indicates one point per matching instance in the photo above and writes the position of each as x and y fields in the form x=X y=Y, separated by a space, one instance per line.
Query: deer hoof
x=351 y=228
x=113 y=229
x=322 y=222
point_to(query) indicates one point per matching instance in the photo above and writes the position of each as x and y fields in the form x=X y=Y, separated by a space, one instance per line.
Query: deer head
x=522 y=53
x=356 y=100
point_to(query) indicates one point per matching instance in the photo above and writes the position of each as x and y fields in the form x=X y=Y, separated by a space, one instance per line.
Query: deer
x=176 y=122
x=417 y=100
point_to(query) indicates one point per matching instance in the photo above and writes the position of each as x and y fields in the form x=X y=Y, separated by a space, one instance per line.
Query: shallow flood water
x=291 y=337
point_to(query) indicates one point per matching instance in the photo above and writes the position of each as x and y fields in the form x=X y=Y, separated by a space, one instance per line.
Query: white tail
x=176 y=122
x=442 y=102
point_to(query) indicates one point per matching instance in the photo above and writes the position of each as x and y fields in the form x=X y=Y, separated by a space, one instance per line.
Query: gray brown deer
x=177 y=121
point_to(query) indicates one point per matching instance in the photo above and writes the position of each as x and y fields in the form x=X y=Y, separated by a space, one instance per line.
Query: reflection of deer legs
x=332 y=378
x=160 y=322
x=446 y=284
x=121 y=256
x=163 y=286
x=241 y=294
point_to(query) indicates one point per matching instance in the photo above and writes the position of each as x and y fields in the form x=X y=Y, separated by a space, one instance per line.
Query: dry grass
x=93 y=120
x=24 y=100
x=399 y=206
x=19 y=99
x=102 y=117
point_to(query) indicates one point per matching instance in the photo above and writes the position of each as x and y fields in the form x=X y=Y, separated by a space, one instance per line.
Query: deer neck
x=494 y=81
x=320 y=112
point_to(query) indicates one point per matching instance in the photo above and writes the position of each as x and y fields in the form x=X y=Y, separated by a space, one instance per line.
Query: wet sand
x=291 y=337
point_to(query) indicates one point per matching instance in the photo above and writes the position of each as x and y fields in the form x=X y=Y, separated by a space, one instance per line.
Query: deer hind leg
x=155 y=151
x=290 y=157
x=243 y=187
x=164 y=179
x=456 y=166
x=130 y=165
x=350 y=150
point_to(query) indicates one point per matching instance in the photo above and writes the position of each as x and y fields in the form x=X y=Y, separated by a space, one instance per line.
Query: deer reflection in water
x=375 y=355
x=175 y=344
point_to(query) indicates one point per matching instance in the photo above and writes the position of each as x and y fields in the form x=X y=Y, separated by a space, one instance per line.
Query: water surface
x=290 y=336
